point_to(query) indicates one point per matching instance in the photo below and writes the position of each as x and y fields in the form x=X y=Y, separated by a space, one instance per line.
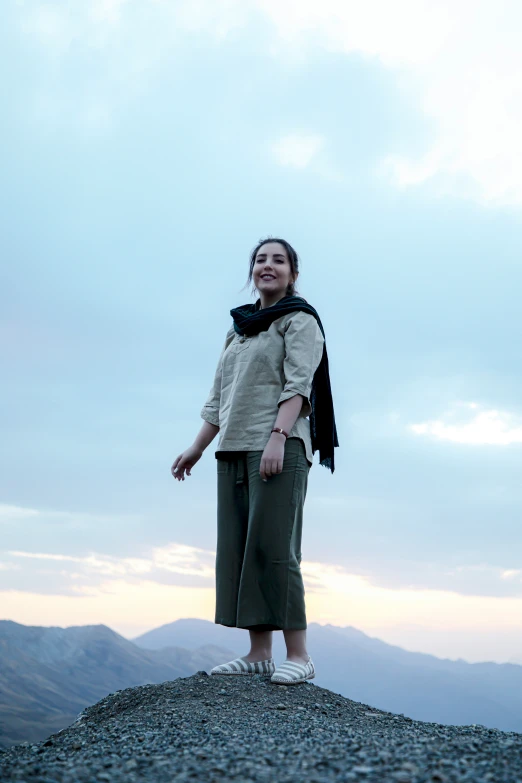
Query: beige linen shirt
x=256 y=374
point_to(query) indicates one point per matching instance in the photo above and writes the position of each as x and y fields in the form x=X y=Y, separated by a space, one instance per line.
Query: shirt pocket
x=242 y=344
x=238 y=352
x=241 y=348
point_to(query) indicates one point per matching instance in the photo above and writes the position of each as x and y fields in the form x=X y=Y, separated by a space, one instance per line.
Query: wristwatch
x=278 y=429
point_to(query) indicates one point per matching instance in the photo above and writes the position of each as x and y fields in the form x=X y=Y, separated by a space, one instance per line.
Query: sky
x=145 y=148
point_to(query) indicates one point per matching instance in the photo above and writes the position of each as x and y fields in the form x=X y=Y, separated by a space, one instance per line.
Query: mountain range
x=49 y=674
x=385 y=676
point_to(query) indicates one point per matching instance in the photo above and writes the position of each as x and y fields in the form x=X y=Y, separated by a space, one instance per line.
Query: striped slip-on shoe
x=241 y=666
x=291 y=673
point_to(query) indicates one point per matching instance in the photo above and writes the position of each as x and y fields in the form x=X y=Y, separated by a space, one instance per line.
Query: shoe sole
x=293 y=682
x=241 y=674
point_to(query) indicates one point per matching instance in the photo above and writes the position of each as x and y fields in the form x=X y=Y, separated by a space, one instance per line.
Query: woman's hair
x=292 y=257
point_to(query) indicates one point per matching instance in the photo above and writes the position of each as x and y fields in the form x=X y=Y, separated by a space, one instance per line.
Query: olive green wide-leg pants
x=259 y=585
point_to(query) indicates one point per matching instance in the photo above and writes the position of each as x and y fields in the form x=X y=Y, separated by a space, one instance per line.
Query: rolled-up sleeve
x=303 y=353
x=210 y=410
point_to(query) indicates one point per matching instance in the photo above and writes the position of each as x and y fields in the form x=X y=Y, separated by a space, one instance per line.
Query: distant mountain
x=48 y=675
x=368 y=670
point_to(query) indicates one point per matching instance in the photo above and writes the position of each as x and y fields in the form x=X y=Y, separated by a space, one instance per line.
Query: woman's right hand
x=185 y=462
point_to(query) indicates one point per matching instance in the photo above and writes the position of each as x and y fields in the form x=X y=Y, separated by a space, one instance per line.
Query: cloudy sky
x=146 y=147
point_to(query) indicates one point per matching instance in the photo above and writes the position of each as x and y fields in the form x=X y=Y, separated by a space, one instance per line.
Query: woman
x=272 y=374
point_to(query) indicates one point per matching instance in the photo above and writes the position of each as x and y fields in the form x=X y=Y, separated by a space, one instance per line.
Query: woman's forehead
x=276 y=248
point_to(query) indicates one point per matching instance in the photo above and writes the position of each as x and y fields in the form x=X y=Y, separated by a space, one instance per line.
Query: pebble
x=183 y=731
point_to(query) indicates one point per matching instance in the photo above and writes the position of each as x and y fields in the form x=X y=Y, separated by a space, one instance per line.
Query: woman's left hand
x=272 y=457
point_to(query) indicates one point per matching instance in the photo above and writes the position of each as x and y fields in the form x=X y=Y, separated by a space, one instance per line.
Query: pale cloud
x=297 y=150
x=106 y=11
x=12 y=515
x=475 y=626
x=328 y=585
x=461 y=62
x=174 y=558
x=468 y=423
x=514 y=574
x=9 y=567
x=134 y=594
x=51 y=25
x=458 y=61
x=220 y=18
x=305 y=151
x=405 y=32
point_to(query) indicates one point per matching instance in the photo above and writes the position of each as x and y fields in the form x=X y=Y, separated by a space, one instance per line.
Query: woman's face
x=272 y=271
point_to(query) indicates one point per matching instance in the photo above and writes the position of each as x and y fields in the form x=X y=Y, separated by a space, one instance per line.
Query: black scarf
x=251 y=319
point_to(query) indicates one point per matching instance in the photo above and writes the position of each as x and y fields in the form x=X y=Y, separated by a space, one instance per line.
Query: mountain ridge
x=44 y=686
x=50 y=674
x=368 y=669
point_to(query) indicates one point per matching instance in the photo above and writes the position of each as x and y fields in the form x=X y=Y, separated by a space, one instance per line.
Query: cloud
x=107 y=11
x=459 y=61
x=479 y=427
x=477 y=626
x=55 y=573
x=163 y=564
x=297 y=150
x=12 y=515
x=163 y=583
x=51 y=25
x=305 y=151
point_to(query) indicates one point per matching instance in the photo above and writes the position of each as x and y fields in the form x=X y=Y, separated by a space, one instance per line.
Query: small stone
x=77 y=746
x=409 y=766
x=280 y=707
x=130 y=765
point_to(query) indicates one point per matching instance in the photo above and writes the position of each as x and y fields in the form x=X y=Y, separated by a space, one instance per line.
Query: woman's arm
x=185 y=461
x=289 y=410
x=205 y=436
x=273 y=455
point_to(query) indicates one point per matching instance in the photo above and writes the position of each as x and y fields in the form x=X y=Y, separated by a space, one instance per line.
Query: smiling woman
x=272 y=374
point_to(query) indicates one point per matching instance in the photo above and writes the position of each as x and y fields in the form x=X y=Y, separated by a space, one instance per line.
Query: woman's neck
x=268 y=301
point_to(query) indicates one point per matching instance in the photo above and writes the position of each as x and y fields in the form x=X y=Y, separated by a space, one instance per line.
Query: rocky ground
x=216 y=728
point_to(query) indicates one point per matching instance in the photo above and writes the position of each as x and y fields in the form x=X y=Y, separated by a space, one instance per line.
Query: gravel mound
x=245 y=728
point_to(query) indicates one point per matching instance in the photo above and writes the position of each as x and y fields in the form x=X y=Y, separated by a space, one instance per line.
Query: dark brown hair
x=292 y=257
